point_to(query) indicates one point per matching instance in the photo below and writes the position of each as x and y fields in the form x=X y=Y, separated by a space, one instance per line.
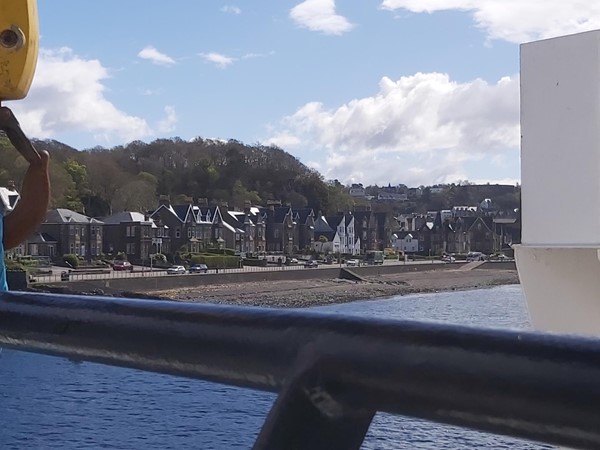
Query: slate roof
x=322 y=226
x=126 y=216
x=277 y=215
x=182 y=211
x=231 y=221
x=61 y=215
x=203 y=214
x=41 y=238
x=334 y=221
x=302 y=215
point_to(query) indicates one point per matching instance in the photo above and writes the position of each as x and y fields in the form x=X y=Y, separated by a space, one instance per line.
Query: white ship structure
x=559 y=258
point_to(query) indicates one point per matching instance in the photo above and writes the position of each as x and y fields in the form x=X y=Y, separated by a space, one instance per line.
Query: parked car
x=448 y=259
x=176 y=270
x=122 y=265
x=199 y=268
x=353 y=262
x=311 y=263
x=476 y=256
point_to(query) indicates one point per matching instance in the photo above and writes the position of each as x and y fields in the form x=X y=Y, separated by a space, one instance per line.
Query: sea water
x=48 y=402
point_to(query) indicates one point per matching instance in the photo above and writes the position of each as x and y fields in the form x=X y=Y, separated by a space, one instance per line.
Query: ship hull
x=562 y=287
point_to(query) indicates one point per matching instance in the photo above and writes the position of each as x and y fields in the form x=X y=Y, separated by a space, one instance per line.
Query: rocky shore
x=306 y=293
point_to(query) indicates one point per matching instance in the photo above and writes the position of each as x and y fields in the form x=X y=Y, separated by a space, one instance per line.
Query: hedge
x=255 y=262
x=71 y=260
x=216 y=261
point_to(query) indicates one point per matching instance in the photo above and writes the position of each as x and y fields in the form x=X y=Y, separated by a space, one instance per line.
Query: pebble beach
x=307 y=293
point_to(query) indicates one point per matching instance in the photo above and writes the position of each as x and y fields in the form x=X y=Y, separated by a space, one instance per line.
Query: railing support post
x=312 y=412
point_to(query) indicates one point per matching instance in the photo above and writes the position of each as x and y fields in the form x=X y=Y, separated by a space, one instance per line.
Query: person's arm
x=32 y=206
x=35 y=192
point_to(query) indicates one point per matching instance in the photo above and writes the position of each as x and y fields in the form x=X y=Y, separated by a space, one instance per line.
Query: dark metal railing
x=332 y=372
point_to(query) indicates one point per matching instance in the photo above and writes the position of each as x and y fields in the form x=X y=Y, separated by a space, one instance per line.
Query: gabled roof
x=166 y=208
x=232 y=220
x=61 y=215
x=203 y=214
x=404 y=234
x=487 y=222
x=335 y=221
x=277 y=215
x=182 y=211
x=302 y=215
x=242 y=217
x=41 y=238
x=256 y=217
x=126 y=217
x=322 y=226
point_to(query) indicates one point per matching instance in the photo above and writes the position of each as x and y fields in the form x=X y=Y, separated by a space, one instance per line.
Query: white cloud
x=319 y=15
x=231 y=9
x=419 y=129
x=68 y=95
x=218 y=59
x=515 y=20
x=258 y=55
x=156 y=57
x=167 y=124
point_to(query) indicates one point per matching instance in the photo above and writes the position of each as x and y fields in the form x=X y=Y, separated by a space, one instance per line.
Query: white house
x=405 y=242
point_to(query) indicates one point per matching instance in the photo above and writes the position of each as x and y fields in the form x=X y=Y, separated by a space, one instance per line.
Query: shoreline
x=317 y=292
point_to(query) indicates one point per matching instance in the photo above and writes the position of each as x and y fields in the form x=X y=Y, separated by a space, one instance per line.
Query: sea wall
x=167 y=282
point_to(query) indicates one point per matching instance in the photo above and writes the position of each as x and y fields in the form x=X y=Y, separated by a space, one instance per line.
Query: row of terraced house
x=279 y=229
x=192 y=227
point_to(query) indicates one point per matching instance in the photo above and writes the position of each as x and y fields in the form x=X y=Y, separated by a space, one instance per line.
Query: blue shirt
x=3 y=285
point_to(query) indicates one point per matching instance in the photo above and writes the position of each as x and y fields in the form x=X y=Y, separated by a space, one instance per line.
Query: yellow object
x=19 y=42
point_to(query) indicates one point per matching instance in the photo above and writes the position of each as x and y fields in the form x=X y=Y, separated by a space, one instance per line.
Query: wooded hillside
x=101 y=181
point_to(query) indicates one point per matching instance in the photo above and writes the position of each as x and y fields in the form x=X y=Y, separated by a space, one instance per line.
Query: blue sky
x=372 y=91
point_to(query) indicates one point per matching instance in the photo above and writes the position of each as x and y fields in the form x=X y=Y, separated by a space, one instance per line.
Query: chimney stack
x=164 y=200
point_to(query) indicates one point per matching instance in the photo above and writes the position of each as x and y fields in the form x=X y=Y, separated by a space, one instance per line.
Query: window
x=177 y=232
x=146 y=231
x=276 y=233
x=82 y=231
x=189 y=233
x=72 y=232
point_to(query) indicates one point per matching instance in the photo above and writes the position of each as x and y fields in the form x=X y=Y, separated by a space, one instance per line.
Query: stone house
x=73 y=233
x=136 y=235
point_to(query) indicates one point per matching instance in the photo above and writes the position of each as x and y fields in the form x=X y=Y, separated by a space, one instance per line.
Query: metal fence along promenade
x=332 y=372
x=75 y=275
